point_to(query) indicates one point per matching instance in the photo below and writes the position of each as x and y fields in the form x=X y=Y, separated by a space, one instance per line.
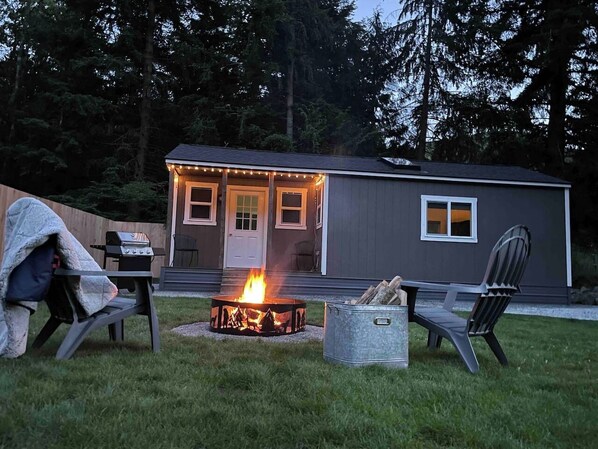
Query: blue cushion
x=31 y=279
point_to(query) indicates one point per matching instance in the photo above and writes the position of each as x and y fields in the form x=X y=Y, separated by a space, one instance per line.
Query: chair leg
x=496 y=348
x=73 y=339
x=46 y=332
x=434 y=340
x=116 y=331
x=154 y=329
x=463 y=345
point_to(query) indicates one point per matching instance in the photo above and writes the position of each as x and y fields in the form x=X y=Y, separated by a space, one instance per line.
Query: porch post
x=174 y=182
x=271 y=211
x=223 y=187
x=325 y=199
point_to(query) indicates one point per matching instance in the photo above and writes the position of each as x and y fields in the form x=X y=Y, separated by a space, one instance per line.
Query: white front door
x=246 y=228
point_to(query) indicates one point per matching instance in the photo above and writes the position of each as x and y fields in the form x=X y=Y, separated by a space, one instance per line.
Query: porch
x=280 y=283
x=240 y=219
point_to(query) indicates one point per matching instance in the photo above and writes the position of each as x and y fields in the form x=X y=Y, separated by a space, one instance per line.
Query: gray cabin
x=324 y=224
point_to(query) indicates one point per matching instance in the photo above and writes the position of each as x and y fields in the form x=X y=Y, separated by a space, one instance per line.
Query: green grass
x=202 y=393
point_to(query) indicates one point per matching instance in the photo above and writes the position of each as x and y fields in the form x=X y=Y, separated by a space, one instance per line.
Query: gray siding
x=374 y=231
x=208 y=237
x=282 y=257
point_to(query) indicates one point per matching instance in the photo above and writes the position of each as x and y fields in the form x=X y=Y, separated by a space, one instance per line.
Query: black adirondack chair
x=185 y=244
x=506 y=266
x=64 y=308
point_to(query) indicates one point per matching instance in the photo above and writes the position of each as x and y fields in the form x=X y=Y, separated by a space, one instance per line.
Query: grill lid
x=130 y=239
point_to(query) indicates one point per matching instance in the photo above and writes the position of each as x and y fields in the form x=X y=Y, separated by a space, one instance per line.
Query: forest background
x=93 y=94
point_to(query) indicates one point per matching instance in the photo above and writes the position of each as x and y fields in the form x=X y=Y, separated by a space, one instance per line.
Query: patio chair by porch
x=64 y=308
x=304 y=255
x=185 y=244
x=506 y=265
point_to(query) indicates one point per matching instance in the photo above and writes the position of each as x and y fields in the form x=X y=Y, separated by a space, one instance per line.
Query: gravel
x=202 y=329
x=575 y=312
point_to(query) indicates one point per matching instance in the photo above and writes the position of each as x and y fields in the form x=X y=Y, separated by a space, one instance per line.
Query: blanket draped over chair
x=29 y=224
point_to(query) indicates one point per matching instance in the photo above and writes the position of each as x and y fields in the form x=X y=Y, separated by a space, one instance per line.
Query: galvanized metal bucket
x=359 y=335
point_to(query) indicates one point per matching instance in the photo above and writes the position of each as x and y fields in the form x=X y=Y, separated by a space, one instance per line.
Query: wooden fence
x=87 y=228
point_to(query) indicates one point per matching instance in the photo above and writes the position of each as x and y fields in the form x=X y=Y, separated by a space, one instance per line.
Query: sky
x=365 y=8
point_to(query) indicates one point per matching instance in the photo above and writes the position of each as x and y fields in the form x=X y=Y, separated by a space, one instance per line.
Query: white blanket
x=29 y=224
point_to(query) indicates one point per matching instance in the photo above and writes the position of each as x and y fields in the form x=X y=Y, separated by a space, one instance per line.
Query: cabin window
x=200 y=203
x=449 y=218
x=291 y=208
x=319 y=201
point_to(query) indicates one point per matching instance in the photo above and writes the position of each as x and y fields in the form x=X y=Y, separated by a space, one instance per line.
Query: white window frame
x=319 y=206
x=302 y=210
x=425 y=199
x=187 y=219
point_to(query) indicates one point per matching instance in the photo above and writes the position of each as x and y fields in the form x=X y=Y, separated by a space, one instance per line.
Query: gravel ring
x=202 y=329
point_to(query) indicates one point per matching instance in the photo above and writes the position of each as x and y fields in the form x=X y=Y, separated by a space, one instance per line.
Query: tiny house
x=323 y=224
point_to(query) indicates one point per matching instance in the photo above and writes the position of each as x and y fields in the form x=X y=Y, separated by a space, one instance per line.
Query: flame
x=255 y=288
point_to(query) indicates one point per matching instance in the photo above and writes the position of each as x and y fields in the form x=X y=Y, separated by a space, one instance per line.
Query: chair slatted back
x=62 y=302
x=184 y=242
x=506 y=266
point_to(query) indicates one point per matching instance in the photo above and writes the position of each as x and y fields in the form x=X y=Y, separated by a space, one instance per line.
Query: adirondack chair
x=185 y=244
x=506 y=265
x=64 y=308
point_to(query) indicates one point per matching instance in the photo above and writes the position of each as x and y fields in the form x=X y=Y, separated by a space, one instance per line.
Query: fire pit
x=254 y=314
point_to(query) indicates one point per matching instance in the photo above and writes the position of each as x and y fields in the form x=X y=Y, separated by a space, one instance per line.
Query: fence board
x=87 y=228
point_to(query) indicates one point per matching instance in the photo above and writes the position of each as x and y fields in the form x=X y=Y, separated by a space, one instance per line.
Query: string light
x=248 y=172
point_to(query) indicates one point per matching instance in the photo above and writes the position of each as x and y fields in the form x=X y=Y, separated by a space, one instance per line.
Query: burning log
x=384 y=293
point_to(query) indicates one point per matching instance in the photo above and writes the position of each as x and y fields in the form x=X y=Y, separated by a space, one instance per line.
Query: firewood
x=395 y=283
x=369 y=294
x=400 y=299
x=383 y=296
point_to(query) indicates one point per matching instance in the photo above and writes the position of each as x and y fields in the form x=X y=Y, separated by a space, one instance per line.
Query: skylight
x=400 y=162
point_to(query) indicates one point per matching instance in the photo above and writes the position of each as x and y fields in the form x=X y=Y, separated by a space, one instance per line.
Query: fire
x=255 y=288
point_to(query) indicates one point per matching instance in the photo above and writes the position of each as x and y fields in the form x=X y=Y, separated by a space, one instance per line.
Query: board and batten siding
x=282 y=252
x=375 y=224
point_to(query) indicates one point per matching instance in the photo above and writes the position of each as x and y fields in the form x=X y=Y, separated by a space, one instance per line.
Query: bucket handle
x=382 y=321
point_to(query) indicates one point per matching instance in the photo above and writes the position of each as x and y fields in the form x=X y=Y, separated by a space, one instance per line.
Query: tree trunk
x=425 y=105
x=563 y=33
x=148 y=58
x=12 y=100
x=290 y=98
x=555 y=142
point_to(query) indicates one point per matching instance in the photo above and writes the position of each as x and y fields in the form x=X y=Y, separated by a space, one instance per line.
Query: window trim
x=187 y=219
x=425 y=199
x=302 y=210
x=320 y=205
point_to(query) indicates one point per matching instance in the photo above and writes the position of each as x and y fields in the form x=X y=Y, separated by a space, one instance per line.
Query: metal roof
x=358 y=166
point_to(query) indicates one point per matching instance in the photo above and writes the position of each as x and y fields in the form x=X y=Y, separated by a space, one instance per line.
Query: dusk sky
x=365 y=8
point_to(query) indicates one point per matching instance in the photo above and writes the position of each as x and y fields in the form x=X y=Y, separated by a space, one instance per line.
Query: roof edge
x=371 y=175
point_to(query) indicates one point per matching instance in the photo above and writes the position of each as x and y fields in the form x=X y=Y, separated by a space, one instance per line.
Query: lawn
x=201 y=393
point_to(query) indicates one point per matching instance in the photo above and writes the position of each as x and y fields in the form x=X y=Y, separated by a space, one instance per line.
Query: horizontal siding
x=289 y=283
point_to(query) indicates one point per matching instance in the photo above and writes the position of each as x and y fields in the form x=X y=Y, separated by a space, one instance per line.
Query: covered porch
x=225 y=218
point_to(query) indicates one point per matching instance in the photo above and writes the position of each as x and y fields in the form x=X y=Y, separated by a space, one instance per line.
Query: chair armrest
x=112 y=274
x=411 y=287
x=142 y=280
x=460 y=288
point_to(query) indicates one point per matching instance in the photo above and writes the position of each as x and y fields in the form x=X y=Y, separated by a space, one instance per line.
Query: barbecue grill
x=132 y=251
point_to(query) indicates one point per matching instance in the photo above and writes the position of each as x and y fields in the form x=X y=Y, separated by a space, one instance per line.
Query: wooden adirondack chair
x=506 y=266
x=64 y=308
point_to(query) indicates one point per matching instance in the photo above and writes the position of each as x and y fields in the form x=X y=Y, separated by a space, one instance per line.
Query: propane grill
x=132 y=251
x=127 y=244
